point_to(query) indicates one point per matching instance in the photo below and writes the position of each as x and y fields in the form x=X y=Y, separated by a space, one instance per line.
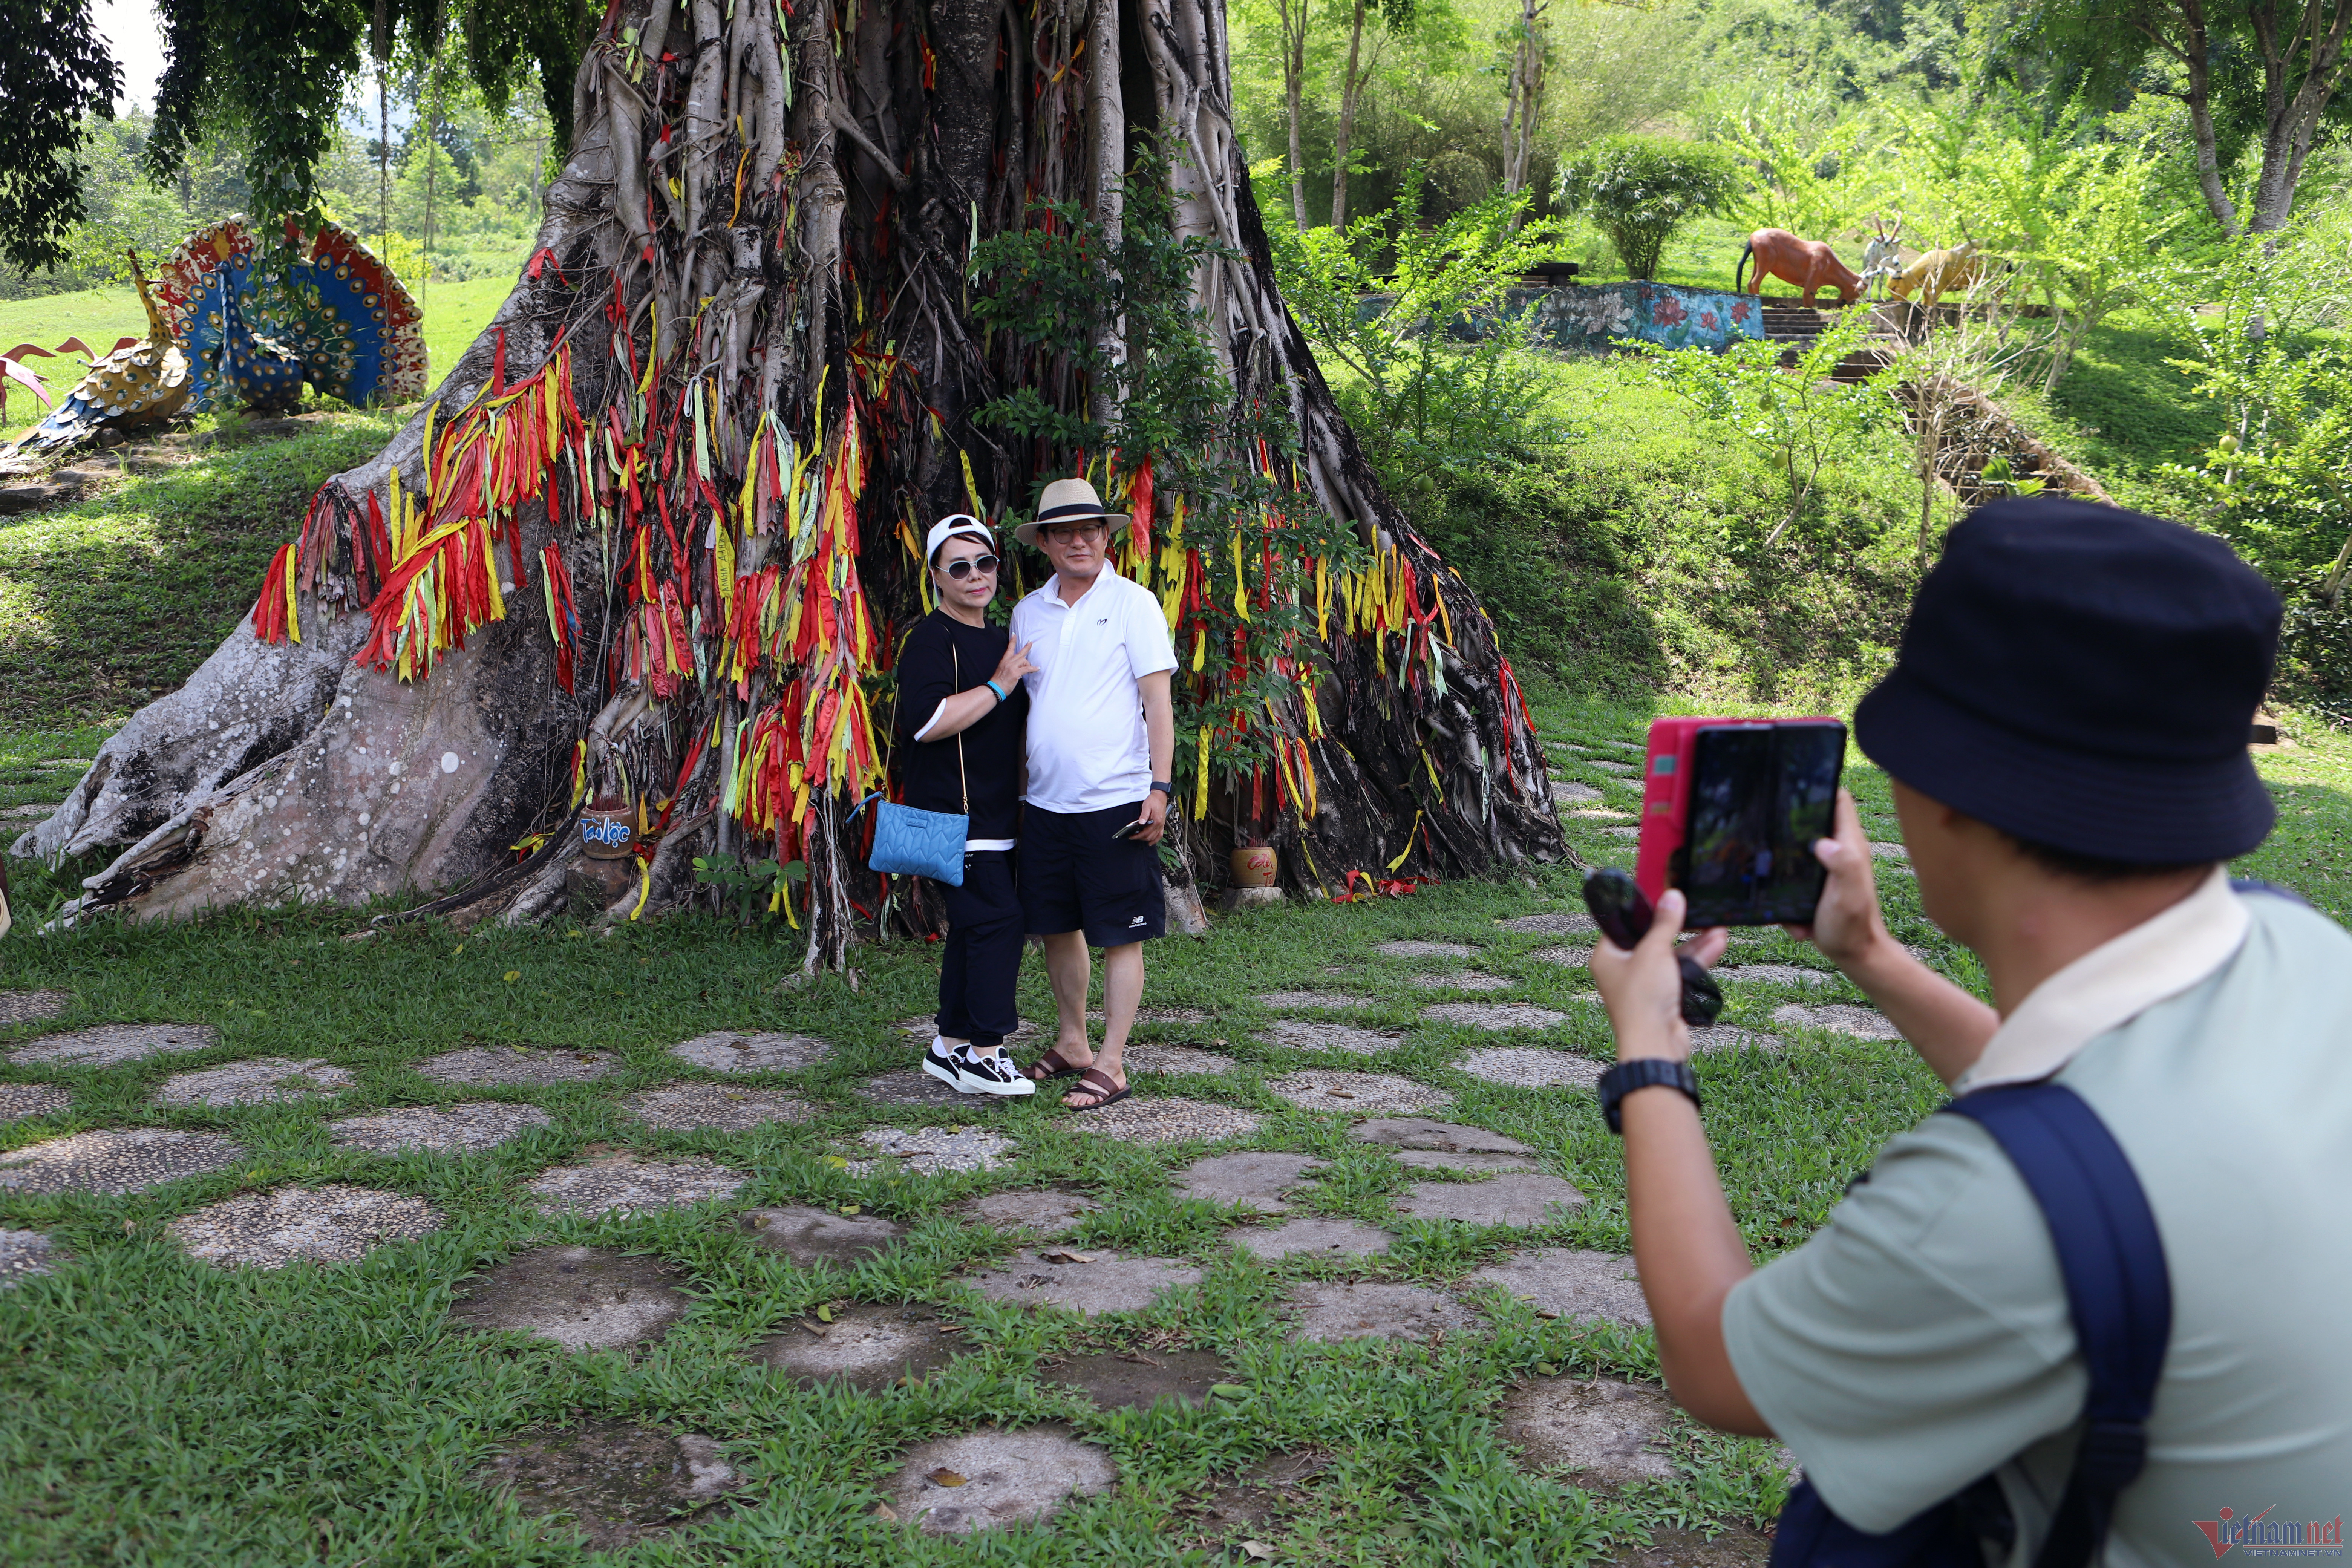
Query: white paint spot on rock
x=448 y=761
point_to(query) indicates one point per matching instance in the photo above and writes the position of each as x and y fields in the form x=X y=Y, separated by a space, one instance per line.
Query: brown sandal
x=1051 y=1066
x=1099 y=1085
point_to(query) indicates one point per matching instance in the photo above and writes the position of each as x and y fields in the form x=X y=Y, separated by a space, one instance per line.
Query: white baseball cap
x=947 y=528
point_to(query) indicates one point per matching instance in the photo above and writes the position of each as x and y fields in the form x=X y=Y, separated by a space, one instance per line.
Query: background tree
x=1639 y=189
x=54 y=71
x=1394 y=16
x=1523 y=91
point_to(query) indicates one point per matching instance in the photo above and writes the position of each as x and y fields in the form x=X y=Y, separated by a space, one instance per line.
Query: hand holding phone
x=1623 y=914
x=1130 y=830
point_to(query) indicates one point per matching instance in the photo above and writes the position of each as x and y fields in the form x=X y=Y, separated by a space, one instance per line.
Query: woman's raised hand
x=1014 y=664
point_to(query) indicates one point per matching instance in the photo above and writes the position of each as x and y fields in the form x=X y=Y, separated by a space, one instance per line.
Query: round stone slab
x=582 y=1298
x=333 y=1224
x=1312 y=1238
x=1424 y=950
x=1315 y=1035
x=1496 y=1016
x=23 y=1254
x=1463 y=1160
x=1170 y=1121
x=115 y=1160
x=1356 y=1092
x=110 y=1045
x=1532 y=1067
x=626 y=1184
x=263 y=1080
x=1862 y=1023
x=685 y=1107
x=19 y=1101
x=1884 y=851
x=1460 y=980
x=26 y=1006
x=1603 y=1431
x=820 y=1236
x=1519 y=1198
x=866 y=1346
x=913 y=1086
x=729 y=1052
x=1551 y=922
x=1252 y=1179
x=1420 y=1132
x=930 y=1150
x=1731 y=1037
x=617 y=1483
x=1046 y=1211
x=1606 y=766
x=1569 y=1284
x=1082 y=1281
x=439 y=1128
x=1312 y=1001
x=1774 y=975
x=953 y=1486
x=1569 y=792
x=517 y=1063
x=1325 y=1312
x=1566 y=957
x=1172 y=1060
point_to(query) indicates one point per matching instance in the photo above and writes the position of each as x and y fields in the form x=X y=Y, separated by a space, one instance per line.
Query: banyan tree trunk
x=652 y=543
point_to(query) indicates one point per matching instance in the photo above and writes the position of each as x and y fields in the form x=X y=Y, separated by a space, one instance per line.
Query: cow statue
x=1809 y=264
x=1942 y=272
x=1882 y=256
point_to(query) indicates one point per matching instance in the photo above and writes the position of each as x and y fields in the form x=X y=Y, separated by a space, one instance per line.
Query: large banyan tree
x=814 y=273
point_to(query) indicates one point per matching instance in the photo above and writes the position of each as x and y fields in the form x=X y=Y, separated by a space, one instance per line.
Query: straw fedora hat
x=1065 y=500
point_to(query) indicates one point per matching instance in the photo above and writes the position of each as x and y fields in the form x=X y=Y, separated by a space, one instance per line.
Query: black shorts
x=1075 y=877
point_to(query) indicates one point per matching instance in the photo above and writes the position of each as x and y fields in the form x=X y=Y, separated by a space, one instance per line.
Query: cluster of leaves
x=1639 y=189
x=54 y=72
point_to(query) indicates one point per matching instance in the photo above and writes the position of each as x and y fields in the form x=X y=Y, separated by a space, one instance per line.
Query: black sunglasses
x=959 y=569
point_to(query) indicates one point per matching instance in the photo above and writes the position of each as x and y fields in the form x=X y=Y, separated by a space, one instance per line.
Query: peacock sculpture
x=141 y=383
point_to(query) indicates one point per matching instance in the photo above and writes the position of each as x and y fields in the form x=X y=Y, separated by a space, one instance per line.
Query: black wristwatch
x=1164 y=787
x=1642 y=1073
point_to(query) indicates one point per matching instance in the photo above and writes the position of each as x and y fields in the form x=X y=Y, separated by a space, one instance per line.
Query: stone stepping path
x=1532 y=1067
x=1252 y=1179
x=1597 y=814
x=1630 y=834
x=1425 y=949
x=115 y=1160
x=913 y=1086
x=519 y=1064
x=1568 y=792
x=930 y=1150
x=264 y=1080
x=1608 y=766
x=1175 y=1060
x=1731 y=1037
x=112 y=1045
x=1354 y=1093
x=1495 y=1016
x=821 y=1236
x=1564 y=1283
x=1862 y=1023
x=26 y=1006
x=1137 y=1380
x=690 y=1106
x=1316 y=1035
x=982 y=1480
x=617 y=1483
x=24 y=1253
x=1565 y=957
x=1312 y=1002
x=330 y=1224
x=1326 y=1312
x=625 y=1185
x=1082 y=1281
x=868 y=1345
x=920 y=1029
x=1311 y=1237
x=1046 y=1211
x=582 y=1298
x=1526 y=1199
x=1601 y=1431
x=729 y=1052
x=1420 y=1132
x=1550 y=922
x=1775 y=974
x=1881 y=850
x=1460 y=980
x=19 y=1101
x=1464 y=1160
x=439 y=1128
x=1170 y=1121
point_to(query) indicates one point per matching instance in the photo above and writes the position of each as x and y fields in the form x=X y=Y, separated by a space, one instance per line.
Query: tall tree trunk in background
x=1350 y=86
x=1524 y=112
x=1293 y=14
x=380 y=50
x=2301 y=49
x=656 y=533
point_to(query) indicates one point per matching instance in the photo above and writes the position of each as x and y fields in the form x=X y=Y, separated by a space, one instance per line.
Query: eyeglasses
x=1073 y=532
x=959 y=569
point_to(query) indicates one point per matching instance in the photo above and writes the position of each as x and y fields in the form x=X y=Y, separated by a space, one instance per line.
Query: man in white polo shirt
x=1102 y=748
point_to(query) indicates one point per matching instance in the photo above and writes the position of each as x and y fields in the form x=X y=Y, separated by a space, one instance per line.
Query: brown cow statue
x=1808 y=263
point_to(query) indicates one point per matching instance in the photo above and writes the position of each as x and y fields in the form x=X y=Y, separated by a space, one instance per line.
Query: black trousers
x=981 y=963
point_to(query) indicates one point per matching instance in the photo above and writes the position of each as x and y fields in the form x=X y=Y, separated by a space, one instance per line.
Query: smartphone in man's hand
x=1731 y=811
x=1132 y=829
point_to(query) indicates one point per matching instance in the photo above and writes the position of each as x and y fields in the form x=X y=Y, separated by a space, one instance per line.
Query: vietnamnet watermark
x=2262 y=1536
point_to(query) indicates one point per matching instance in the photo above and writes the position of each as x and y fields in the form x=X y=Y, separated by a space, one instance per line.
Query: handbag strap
x=955 y=660
x=2112 y=1258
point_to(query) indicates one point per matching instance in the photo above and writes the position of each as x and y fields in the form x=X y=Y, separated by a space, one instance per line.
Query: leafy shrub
x=1639 y=189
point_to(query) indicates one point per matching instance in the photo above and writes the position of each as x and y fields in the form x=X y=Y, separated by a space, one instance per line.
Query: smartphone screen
x=1760 y=796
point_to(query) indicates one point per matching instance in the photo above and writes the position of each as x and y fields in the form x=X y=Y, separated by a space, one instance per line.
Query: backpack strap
x=2112 y=1257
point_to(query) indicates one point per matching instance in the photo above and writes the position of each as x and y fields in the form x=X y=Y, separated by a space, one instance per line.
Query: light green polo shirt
x=1922 y=1339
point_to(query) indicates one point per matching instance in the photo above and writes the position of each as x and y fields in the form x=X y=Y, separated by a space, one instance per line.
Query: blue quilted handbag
x=912 y=843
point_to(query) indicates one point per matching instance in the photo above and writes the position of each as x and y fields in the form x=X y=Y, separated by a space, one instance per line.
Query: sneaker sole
x=946 y=1076
x=1001 y=1091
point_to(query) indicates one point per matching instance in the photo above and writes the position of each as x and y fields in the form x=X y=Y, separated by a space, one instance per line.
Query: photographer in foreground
x=2067 y=729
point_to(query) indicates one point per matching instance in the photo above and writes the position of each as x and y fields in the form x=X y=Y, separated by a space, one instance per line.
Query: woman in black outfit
x=962 y=707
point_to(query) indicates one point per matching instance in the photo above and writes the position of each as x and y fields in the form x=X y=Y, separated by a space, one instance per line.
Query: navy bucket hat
x=2084 y=678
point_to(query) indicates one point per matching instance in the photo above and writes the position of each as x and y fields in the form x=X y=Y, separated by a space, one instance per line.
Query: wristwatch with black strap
x=1643 y=1072
x=1164 y=787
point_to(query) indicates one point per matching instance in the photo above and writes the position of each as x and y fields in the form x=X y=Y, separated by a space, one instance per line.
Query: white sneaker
x=939 y=1061
x=991 y=1074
